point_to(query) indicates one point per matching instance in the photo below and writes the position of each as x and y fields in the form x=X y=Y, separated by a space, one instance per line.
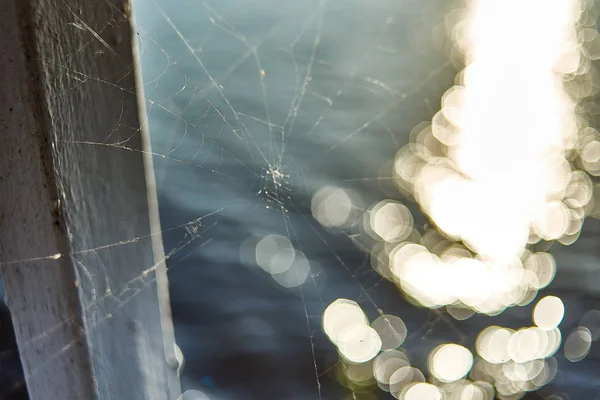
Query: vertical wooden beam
x=80 y=251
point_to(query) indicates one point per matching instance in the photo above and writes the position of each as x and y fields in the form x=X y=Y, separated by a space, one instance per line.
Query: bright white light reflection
x=341 y=315
x=391 y=221
x=422 y=391
x=527 y=344
x=434 y=281
x=495 y=173
x=348 y=328
x=548 y=312
x=331 y=206
x=359 y=344
x=274 y=254
x=543 y=266
x=459 y=313
x=502 y=179
x=296 y=274
x=497 y=345
x=471 y=392
x=492 y=344
x=386 y=364
x=391 y=329
x=450 y=362
x=400 y=378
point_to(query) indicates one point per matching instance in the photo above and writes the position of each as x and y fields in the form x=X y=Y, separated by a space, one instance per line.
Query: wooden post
x=80 y=245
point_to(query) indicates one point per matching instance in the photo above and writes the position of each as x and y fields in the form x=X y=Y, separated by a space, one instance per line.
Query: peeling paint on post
x=80 y=246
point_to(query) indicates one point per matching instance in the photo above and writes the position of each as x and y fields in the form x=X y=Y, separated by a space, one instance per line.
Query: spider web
x=266 y=103
x=252 y=107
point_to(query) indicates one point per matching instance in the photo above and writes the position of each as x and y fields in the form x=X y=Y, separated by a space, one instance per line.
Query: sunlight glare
x=450 y=362
x=342 y=315
x=359 y=344
x=492 y=168
x=331 y=206
x=422 y=391
x=392 y=221
x=274 y=254
x=548 y=312
x=391 y=329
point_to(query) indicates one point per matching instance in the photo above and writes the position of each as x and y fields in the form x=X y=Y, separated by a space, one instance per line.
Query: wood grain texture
x=92 y=323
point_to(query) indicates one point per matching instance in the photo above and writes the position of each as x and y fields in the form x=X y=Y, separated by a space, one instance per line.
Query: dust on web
x=203 y=131
x=250 y=119
x=266 y=113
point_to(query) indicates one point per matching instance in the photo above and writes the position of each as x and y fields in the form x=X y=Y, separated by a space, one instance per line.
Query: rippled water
x=318 y=92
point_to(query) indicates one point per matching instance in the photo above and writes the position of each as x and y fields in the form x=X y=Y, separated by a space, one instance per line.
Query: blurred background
x=328 y=203
x=282 y=124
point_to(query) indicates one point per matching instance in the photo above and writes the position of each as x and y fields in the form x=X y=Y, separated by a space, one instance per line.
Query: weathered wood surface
x=80 y=257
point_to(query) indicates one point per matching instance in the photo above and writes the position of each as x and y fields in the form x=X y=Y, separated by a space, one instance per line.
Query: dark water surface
x=325 y=92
